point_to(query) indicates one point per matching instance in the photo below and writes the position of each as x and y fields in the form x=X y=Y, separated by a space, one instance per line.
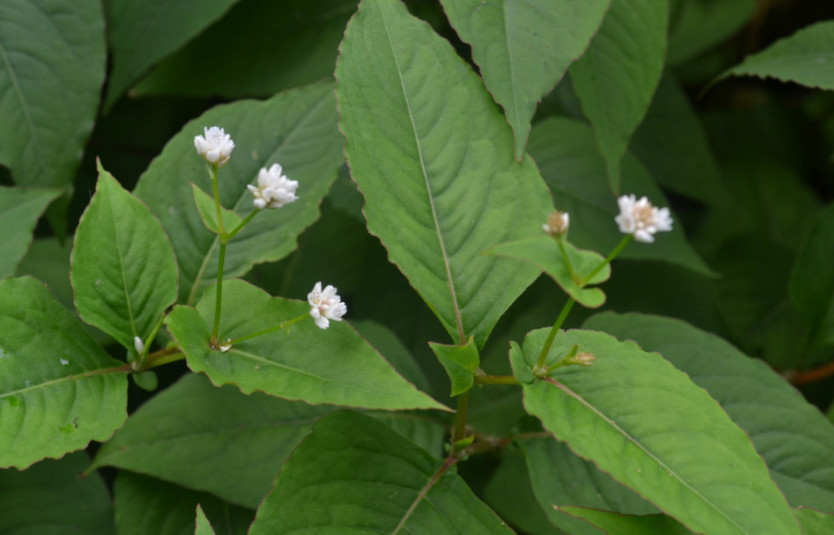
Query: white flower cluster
x=641 y=218
x=274 y=190
x=325 y=305
x=216 y=147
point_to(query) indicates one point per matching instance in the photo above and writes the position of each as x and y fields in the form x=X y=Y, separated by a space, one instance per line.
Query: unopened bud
x=557 y=224
x=582 y=359
x=138 y=345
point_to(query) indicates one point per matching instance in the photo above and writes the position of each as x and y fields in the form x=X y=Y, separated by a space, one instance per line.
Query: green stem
x=238 y=228
x=496 y=380
x=216 y=192
x=161 y=357
x=565 y=257
x=269 y=329
x=556 y=326
x=617 y=250
x=221 y=260
x=144 y=356
x=459 y=428
x=561 y=362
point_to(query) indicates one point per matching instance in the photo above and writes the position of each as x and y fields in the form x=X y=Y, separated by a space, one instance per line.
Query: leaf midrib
x=23 y=104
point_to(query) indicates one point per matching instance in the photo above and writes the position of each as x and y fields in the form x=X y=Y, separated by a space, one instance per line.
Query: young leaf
x=431 y=153
x=812 y=280
x=460 y=363
x=645 y=423
x=145 y=505
x=208 y=212
x=543 y=252
x=617 y=76
x=211 y=439
x=777 y=418
x=51 y=498
x=301 y=362
x=804 y=58
x=48 y=98
x=203 y=526
x=296 y=129
x=628 y=524
x=124 y=273
x=353 y=474
x=19 y=211
x=58 y=389
x=524 y=49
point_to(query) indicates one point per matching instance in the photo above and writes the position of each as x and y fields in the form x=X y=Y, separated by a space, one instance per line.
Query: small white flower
x=216 y=147
x=557 y=224
x=641 y=218
x=325 y=305
x=274 y=190
x=138 y=345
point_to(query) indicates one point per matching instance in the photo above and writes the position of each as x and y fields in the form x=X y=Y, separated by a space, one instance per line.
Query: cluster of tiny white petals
x=274 y=190
x=557 y=224
x=325 y=305
x=641 y=218
x=216 y=147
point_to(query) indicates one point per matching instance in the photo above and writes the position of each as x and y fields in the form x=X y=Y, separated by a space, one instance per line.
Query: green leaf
x=460 y=363
x=145 y=505
x=296 y=129
x=51 y=499
x=48 y=96
x=286 y=44
x=812 y=279
x=19 y=211
x=143 y=32
x=124 y=273
x=354 y=475
x=56 y=391
x=431 y=434
x=208 y=212
x=696 y=26
x=524 y=49
x=203 y=525
x=211 y=439
x=645 y=423
x=804 y=58
x=617 y=76
x=777 y=418
x=628 y=524
x=395 y=352
x=431 y=153
x=543 y=252
x=815 y=522
x=565 y=152
x=301 y=362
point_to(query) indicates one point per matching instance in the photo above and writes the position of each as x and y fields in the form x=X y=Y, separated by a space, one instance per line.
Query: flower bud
x=557 y=224
x=138 y=345
x=582 y=358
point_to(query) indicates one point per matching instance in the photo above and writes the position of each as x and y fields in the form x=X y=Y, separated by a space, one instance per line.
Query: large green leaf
x=695 y=26
x=804 y=58
x=628 y=524
x=19 y=211
x=142 y=32
x=56 y=392
x=123 y=273
x=617 y=76
x=145 y=505
x=812 y=280
x=523 y=49
x=565 y=152
x=51 y=499
x=815 y=522
x=212 y=439
x=353 y=475
x=286 y=44
x=296 y=129
x=48 y=95
x=301 y=362
x=432 y=155
x=778 y=419
x=645 y=423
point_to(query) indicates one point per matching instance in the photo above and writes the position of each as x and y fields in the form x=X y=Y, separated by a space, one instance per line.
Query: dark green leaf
x=19 y=211
x=695 y=26
x=628 y=524
x=460 y=363
x=815 y=522
x=812 y=280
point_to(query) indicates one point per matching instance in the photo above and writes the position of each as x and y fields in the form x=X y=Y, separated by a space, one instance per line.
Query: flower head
x=557 y=224
x=641 y=218
x=325 y=305
x=216 y=147
x=274 y=190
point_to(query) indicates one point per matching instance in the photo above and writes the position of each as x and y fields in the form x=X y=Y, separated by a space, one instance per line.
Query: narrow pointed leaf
x=19 y=211
x=805 y=58
x=523 y=49
x=431 y=153
x=211 y=439
x=55 y=393
x=208 y=212
x=617 y=76
x=543 y=252
x=203 y=526
x=48 y=96
x=355 y=475
x=296 y=129
x=645 y=423
x=628 y=524
x=123 y=273
x=301 y=362
x=777 y=418
x=51 y=499
x=460 y=363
